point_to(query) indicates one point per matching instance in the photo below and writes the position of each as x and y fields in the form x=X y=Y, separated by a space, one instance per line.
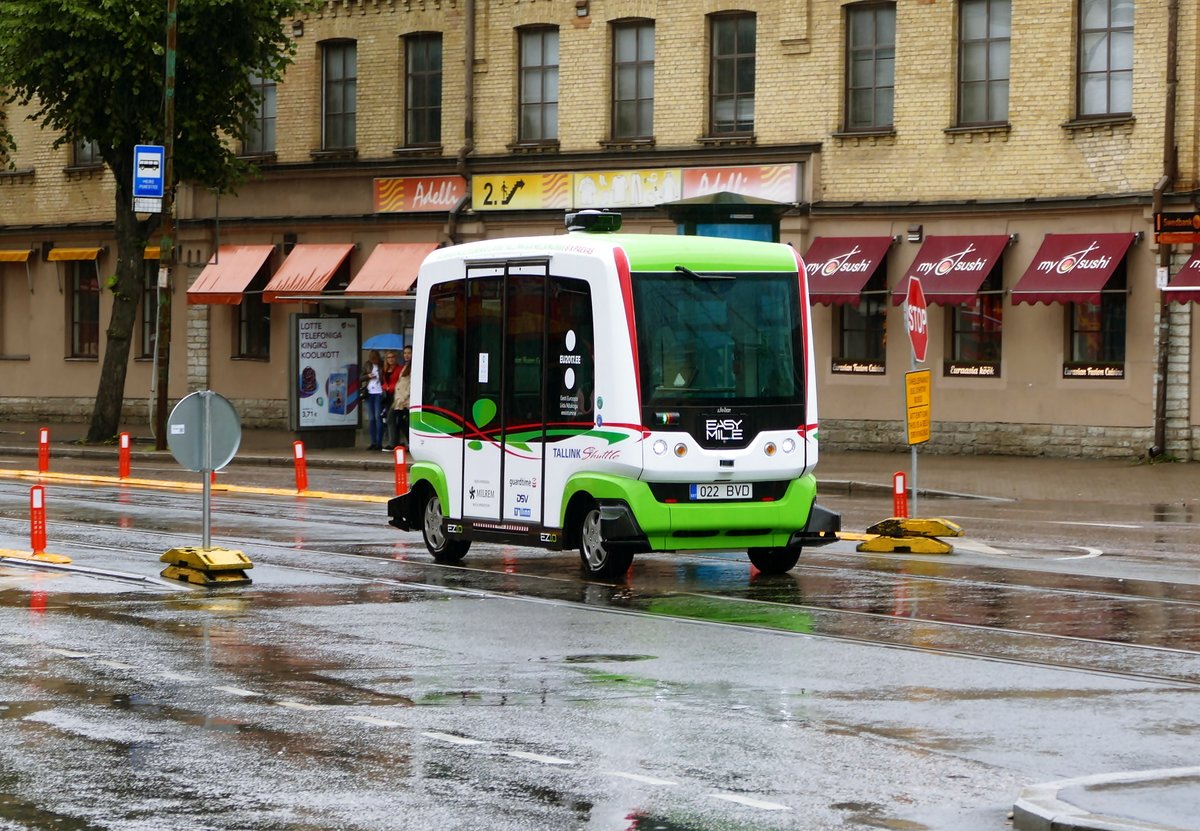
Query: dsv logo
x=723 y=429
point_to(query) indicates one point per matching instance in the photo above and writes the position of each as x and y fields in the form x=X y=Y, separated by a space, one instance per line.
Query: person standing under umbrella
x=390 y=375
x=372 y=379
x=399 y=417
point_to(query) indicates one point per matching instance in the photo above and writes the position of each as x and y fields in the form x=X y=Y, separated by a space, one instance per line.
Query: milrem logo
x=723 y=429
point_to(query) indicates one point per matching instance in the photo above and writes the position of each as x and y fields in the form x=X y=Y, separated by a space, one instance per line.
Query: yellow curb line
x=163 y=484
x=44 y=557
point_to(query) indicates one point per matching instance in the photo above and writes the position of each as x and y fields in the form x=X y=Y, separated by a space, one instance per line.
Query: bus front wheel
x=774 y=560
x=599 y=560
x=433 y=529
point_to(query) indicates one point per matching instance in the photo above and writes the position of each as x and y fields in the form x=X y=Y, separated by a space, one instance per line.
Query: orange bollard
x=401 y=470
x=301 y=467
x=899 y=496
x=123 y=457
x=44 y=449
x=37 y=519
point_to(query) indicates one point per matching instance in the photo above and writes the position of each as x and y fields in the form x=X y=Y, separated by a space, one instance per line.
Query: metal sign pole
x=913 y=449
x=206 y=465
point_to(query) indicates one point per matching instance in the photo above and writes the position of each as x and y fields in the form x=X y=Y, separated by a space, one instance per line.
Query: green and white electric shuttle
x=615 y=393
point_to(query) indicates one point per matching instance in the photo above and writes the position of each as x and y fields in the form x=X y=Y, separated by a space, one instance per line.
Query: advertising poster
x=326 y=359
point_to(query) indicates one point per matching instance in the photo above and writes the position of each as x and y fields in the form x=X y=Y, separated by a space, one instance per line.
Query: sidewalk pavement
x=1163 y=800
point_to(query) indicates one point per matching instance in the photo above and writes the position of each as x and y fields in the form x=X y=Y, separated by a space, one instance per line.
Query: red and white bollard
x=899 y=495
x=44 y=450
x=301 y=467
x=37 y=519
x=401 y=470
x=123 y=456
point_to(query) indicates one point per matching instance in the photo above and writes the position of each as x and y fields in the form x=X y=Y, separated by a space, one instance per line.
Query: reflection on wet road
x=356 y=684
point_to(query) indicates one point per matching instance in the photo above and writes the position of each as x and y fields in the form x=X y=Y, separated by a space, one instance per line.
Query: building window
x=83 y=309
x=254 y=321
x=975 y=327
x=260 y=132
x=539 y=85
x=340 y=95
x=731 y=83
x=423 y=89
x=1098 y=329
x=633 y=80
x=87 y=153
x=148 y=318
x=983 y=59
x=862 y=326
x=1105 y=57
x=870 y=66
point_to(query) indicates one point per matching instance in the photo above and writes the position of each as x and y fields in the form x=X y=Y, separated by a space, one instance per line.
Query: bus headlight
x=788 y=445
x=770 y=448
x=680 y=450
x=659 y=447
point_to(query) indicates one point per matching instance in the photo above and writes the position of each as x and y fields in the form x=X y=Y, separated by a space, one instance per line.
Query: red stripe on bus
x=626 y=282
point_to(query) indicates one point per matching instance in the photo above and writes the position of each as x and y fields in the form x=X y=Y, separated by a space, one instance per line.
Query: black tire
x=598 y=559
x=774 y=560
x=433 y=530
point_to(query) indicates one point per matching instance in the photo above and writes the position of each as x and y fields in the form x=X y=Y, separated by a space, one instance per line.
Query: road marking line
x=750 y=803
x=1091 y=554
x=238 y=691
x=637 y=777
x=537 y=757
x=66 y=653
x=114 y=664
x=1097 y=524
x=378 y=722
x=446 y=737
x=300 y=705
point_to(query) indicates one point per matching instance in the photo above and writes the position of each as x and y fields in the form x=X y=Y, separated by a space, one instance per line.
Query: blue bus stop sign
x=149 y=160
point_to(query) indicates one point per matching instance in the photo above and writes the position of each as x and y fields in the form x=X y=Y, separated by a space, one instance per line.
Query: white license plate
x=721 y=490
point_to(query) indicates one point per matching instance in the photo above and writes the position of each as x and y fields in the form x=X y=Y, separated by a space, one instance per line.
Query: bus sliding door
x=482 y=374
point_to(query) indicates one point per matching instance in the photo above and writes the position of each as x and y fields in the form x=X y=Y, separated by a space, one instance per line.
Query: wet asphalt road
x=356 y=684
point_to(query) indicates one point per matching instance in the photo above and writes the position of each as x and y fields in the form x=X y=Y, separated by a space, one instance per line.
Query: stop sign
x=916 y=319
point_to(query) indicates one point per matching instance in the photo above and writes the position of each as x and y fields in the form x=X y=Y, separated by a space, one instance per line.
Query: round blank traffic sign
x=204 y=431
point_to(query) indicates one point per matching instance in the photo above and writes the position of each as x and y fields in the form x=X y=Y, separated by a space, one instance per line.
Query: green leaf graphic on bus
x=435 y=423
x=483 y=411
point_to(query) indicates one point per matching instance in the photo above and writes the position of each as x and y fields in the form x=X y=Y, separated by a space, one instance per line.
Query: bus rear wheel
x=433 y=529
x=599 y=560
x=774 y=560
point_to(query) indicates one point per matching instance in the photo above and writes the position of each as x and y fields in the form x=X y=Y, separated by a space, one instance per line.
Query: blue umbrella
x=385 y=341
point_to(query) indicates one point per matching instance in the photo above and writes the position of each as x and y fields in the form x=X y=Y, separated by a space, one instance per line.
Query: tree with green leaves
x=95 y=70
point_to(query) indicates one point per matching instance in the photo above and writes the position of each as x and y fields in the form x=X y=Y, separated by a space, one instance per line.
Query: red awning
x=951 y=269
x=228 y=273
x=1071 y=268
x=1184 y=287
x=839 y=267
x=391 y=269
x=306 y=271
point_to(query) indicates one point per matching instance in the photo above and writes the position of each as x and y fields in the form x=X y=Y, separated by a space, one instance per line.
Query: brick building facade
x=906 y=128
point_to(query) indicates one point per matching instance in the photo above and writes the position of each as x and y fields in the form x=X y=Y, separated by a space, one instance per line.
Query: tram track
x=1140 y=663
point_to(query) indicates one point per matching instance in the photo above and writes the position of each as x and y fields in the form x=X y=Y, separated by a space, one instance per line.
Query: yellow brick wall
x=800 y=53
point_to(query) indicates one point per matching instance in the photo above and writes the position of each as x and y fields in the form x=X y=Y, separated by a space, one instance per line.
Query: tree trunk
x=127 y=291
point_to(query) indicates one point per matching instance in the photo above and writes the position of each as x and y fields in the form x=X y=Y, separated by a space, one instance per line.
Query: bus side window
x=442 y=361
x=571 y=350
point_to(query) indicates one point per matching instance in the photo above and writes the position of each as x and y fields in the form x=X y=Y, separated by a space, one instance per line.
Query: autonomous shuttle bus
x=614 y=393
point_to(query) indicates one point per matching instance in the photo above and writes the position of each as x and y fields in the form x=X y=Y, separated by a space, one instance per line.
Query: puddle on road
x=28 y=815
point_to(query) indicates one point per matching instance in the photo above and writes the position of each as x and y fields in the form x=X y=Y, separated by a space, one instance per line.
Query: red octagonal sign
x=916 y=319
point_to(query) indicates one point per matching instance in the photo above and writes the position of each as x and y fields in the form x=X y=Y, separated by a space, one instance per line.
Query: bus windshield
x=724 y=340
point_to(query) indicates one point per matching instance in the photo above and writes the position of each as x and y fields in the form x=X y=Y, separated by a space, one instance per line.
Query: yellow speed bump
x=212 y=567
x=912 y=535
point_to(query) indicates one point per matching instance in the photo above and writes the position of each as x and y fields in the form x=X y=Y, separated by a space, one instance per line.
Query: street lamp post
x=167 y=245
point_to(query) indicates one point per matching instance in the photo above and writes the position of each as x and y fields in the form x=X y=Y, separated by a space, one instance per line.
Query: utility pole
x=166 y=247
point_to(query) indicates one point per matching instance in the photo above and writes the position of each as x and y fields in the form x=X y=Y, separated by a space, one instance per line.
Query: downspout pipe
x=1164 y=250
x=468 y=145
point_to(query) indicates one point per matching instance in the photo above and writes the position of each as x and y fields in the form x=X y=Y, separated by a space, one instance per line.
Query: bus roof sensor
x=594 y=221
